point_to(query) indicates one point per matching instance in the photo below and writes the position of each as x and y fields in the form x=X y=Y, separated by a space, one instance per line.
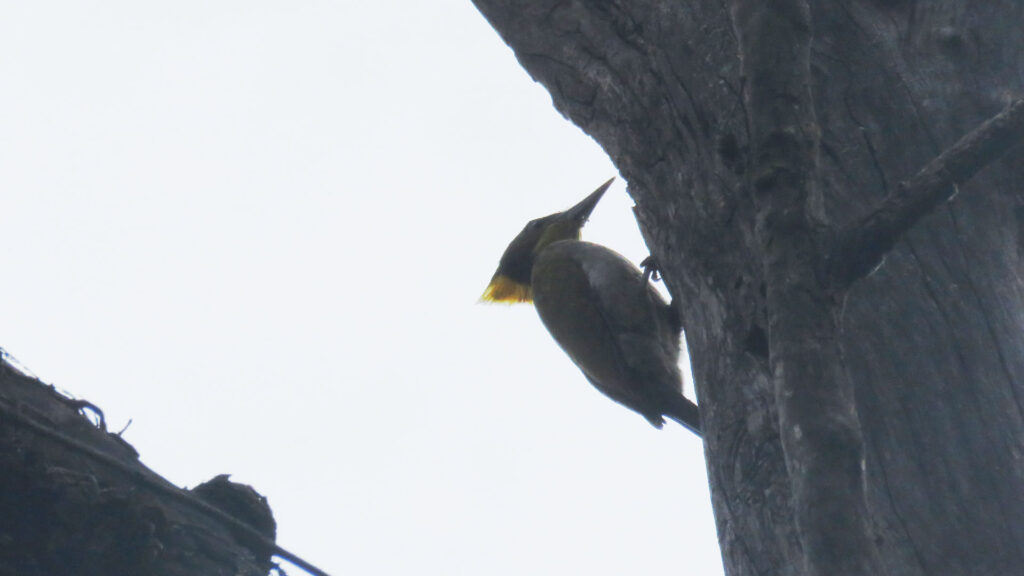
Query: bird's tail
x=685 y=412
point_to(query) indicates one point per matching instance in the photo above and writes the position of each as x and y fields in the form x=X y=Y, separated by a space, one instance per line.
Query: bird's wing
x=597 y=306
x=636 y=313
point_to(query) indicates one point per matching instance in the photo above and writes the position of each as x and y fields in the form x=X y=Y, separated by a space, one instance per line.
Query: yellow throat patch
x=504 y=289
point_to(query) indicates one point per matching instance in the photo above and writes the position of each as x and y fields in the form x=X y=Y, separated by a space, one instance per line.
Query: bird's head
x=511 y=282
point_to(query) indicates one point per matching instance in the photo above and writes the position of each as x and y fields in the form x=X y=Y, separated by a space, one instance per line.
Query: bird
x=601 y=310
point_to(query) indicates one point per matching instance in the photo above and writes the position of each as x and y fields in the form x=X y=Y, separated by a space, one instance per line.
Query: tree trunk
x=855 y=338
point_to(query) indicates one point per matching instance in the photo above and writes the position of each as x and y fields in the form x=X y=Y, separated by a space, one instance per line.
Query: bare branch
x=861 y=247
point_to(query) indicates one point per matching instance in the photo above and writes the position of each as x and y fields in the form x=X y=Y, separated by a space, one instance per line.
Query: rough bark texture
x=918 y=366
x=66 y=511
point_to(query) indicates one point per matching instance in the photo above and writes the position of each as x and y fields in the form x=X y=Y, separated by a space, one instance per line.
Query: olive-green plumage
x=601 y=310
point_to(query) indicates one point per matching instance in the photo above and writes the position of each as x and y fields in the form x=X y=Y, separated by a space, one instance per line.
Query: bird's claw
x=650 y=267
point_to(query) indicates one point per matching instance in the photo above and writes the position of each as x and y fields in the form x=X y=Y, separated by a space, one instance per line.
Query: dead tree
x=854 y=323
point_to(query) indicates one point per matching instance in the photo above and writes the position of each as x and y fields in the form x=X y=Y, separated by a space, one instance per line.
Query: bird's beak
x=580 y=212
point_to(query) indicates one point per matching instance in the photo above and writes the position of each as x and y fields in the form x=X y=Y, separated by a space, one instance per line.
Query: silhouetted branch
x=30 y=406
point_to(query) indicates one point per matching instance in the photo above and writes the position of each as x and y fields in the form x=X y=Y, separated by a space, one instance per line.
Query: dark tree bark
x=75 y=500
x=854 y=323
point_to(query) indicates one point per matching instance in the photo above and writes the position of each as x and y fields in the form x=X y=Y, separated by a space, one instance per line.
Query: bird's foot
x=651 y=271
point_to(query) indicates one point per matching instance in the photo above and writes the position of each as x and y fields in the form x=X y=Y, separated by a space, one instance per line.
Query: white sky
x=258 y=230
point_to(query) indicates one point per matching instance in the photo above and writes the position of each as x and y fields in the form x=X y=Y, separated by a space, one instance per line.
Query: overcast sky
x=259 y=230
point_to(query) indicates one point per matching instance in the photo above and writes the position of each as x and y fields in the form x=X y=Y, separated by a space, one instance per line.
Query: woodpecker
x=601 y=310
